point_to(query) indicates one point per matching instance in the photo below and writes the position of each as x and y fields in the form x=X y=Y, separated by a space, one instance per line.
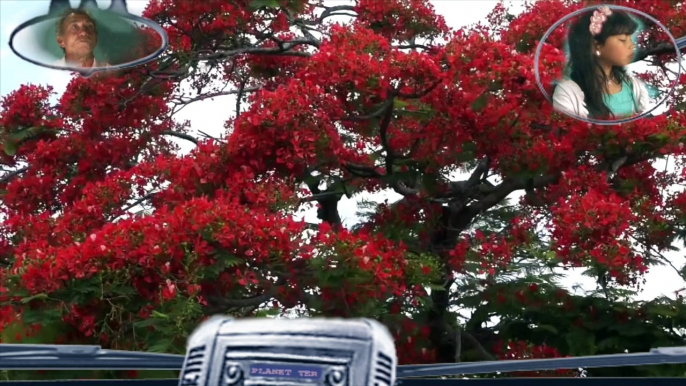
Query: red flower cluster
x=411 y=342
x=378 y=263
x=401 y=20
x=22 y=112
x=530 y=26
x=525 y=350
x=596 y=227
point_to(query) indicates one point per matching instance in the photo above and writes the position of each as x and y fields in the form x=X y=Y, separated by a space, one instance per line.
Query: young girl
x=597 y=86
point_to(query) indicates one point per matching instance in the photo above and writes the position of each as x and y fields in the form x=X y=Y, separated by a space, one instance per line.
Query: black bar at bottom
x=401 y=382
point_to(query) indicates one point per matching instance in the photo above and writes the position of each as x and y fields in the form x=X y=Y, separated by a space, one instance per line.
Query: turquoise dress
x=623 y=103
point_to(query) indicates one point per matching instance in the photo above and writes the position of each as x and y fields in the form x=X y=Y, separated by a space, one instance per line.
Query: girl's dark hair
x=583 y=65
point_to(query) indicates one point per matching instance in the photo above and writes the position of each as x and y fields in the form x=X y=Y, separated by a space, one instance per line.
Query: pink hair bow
x=598 y=18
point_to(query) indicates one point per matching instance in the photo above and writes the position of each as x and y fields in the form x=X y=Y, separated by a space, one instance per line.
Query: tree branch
x=222 y=304
x=214 y=95
x=9 y=176
x=239 y=99
x=362 y=170
x=376 y=114
x=185 y=136
x=485 y=355
x=321 y=196
x=224 y=54
x=504 y=189
x=301 y=26
x=458 y=344
x=383 y=134
x=329 y=12
x=480 y=171
x=421 y=93
x=139 y=201
x=512 y=184
x=658 y=49
x=411 y=46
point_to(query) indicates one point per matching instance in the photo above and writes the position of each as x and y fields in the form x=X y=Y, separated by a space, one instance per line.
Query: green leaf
x=549 y=255
x=25 y=134
x=629 y=330
x=609 y=344
x=86 y=287
x=435 y=287
x=495 y=85
x=466 y=153
x=32 y=316
x=146 y=322
x=581 y=343
x=78 y=298
x=422 y=115
x=34 y=297
x=547 y=327
x=124 y=290
x=661 y=137
x=480 y=103
x=159 y=315
x=267 y=312
x=370 y=128
x=663 y=310
x=162 y=346
x=399 y=104
x=10 y=147
x=257 y=4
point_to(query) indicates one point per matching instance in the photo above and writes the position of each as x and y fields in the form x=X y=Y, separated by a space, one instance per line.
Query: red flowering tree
x=393 y=100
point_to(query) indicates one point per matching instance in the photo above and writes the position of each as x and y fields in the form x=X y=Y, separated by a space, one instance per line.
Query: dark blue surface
x=405 y=382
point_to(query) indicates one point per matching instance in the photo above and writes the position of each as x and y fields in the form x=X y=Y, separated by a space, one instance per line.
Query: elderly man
x=78 y=36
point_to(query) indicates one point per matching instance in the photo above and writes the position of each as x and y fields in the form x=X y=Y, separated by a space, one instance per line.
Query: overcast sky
x=203 y=115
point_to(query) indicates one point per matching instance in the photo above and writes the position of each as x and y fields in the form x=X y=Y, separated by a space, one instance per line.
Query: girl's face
x=618 y=50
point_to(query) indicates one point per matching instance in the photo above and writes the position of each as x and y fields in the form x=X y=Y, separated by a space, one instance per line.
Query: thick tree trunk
x=442 y=334
x=444 y=337
x=328 y=212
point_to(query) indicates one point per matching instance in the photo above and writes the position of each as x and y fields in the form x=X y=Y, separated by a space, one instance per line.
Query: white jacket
x=569 y=98
x=96 y=63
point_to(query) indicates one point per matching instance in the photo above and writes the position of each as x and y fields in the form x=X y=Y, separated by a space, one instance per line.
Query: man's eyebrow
x=81 y=20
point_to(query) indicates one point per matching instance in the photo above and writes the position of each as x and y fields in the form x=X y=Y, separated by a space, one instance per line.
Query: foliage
x=112 y=236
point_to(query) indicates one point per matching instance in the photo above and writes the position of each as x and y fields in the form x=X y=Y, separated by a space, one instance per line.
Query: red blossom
x=525 y=350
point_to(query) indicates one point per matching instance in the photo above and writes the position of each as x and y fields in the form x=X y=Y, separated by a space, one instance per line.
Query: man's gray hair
x=69 y=12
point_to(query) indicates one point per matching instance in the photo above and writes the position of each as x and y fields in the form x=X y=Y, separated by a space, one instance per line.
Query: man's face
x=78 y=36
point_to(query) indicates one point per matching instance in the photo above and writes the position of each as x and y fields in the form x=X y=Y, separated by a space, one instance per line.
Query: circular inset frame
x=588 y=9
x=118 y=8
